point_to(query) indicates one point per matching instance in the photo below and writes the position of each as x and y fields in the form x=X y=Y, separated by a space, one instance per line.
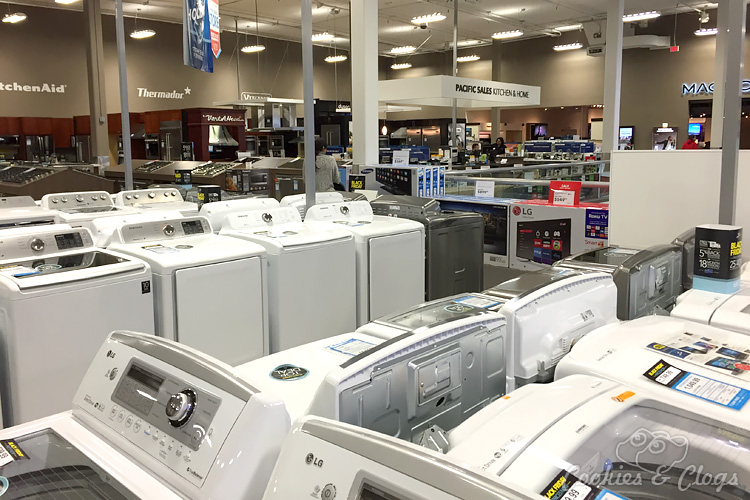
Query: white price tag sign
x=579 y=491
x=564 y=198
x=484 y=189
x=401 y=157
x=5 y=457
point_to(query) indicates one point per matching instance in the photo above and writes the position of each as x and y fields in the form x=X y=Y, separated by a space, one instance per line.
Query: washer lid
x=45 y=465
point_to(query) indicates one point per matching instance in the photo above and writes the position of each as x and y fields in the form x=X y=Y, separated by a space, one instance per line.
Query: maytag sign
x=43 y=88
x=704 y=88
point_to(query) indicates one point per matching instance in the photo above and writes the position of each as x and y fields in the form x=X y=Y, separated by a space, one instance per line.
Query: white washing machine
x=299 y=201
x=295 y=374
x=730 y=311
x=22 y=211
x=311 y=275
x=216 y=212
x=548 y=311
x=390 y=256
x=59 y=298
x=151 y=420
x=649 y=281
x=692 y=366
x=209 y=290
x=342 y=461
x=147 y=200
x=587 y=438
x=80 y=209
x=400 y=384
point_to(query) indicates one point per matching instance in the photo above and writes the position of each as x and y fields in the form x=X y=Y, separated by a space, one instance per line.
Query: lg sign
x=518 y=211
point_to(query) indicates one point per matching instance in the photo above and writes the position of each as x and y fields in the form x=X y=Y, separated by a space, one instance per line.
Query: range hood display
x=218 y=135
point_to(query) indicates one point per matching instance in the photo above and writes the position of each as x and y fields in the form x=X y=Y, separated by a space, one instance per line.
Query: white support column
x=364 y=66
x=95 y=72
x=308 y=95
x=720 y=69
x=734 y=72
x=612 y=76
x=495 y=113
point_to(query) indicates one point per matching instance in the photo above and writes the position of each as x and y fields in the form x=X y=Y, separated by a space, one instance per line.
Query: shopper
x=498 y=149
x=691 y=143
x=476 y=150
x=326 y=171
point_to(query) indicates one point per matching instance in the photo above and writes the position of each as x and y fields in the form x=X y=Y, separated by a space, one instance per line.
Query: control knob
x=168 y=229
x=36 y=244
x=344 y=210
x=180 y=407
x=152 y=195
x=79 y=198
x=267 y=217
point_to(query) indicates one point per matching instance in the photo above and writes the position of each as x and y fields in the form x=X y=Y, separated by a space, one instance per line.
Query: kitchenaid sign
x=43 y=88
x=708 y=88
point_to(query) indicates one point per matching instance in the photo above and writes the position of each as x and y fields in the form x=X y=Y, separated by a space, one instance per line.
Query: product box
x=495 y=214
x=541 y=233
x=717 y=263
x=183 y=177
x=208 y=194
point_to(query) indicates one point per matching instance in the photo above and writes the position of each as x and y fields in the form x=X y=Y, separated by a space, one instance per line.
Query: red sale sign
x=565 y=193
x=213 y=19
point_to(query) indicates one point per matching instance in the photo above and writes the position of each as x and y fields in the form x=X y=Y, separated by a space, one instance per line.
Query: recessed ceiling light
x=706 y=31
x=406 y=49
x=320 y=37
x=429 y=18
x=400 y=65
x=467 y=43
x=14 y=18
x=507 y=34
x=140 y=34
x=470 y=58
x=641 y=16
x=569 y=27
x=249 y=49
x=65 y=2
x=568 y=46
x=335 y=59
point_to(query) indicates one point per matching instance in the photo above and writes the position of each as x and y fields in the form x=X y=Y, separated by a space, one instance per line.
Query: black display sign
x=356 y=181
x=718 y=252
x=208 y=194
x=187 y=151
x=183 y=177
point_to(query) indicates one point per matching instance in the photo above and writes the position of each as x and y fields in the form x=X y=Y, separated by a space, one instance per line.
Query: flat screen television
x=694 y=128
x=626 y=133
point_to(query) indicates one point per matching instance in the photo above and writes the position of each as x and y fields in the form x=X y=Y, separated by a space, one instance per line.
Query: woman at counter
x=498 y=149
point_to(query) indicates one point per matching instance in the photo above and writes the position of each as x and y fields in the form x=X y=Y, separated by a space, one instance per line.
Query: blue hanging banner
x=196 y=36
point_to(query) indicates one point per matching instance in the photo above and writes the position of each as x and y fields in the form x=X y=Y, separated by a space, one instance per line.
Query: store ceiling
x=478 y=19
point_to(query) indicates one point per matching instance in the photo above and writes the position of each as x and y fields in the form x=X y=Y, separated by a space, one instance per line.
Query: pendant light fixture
x=140 y=34
x=13 y=17
x=258 y=47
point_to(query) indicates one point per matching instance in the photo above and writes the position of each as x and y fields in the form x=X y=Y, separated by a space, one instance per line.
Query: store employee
x=499 y=148
x=326 y=170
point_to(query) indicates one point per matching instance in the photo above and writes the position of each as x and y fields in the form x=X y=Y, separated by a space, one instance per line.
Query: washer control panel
x=164 y=229
x=262 y=218
x=353 y=211
x=43 y=240
x=83 y=199
x=147 y=197
x=154 y=398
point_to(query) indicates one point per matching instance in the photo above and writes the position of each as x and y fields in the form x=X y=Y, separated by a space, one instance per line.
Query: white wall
x=656 y=195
